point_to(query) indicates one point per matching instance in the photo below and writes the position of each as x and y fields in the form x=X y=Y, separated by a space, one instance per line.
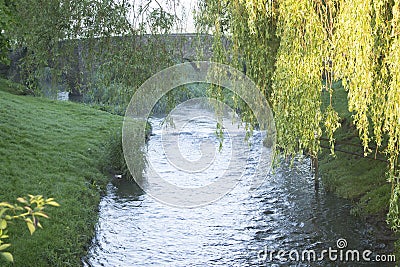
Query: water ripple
x=284 y=213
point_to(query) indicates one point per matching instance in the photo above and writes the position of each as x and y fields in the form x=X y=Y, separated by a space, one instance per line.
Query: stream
x=245 y=226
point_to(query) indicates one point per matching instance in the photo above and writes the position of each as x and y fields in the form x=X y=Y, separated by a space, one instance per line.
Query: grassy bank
x=349 y=174
x=55 y=149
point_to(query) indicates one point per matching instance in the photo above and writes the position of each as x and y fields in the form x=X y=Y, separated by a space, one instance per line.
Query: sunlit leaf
x=53 y=203
x=30 y=225
x=3 y=224
x=5 y=204
x=29 y=209
x=22 y=200
x=41 y=214
x=8 y=256
x=4 y=246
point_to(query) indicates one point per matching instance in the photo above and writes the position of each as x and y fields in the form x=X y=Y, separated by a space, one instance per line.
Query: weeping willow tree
x=287 y=45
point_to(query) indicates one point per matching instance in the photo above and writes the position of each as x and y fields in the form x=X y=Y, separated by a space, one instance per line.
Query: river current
x=246 y=226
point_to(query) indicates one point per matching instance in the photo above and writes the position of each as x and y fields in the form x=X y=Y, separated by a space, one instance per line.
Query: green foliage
x=113 y=98
x=13 y=88
x=114 y=159
x=177 y=96
x=296 y=97
x=361 y=180
x=106 y=39
x=6 y=19
x=102 y=49
x=161 y=22
x=30 y=212
x=370 y=73
x=289 y=45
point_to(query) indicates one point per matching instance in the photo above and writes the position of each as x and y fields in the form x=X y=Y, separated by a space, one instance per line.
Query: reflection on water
x=187 y=167
x=284 y=213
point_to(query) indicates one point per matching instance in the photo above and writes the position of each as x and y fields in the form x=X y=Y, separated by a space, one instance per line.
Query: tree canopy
x=288 y=45
x=111 y=44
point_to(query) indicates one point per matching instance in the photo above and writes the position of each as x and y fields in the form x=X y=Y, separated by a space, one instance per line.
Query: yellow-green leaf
x=41 y=214
x=30 y=225
x=5 y=204
x=53 y=203
x=4 y=246
x=8 y=256
x=22 y=200
x=28 y=209
x=3 y=224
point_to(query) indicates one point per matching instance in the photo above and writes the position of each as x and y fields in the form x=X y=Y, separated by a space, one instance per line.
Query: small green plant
x=28 y=210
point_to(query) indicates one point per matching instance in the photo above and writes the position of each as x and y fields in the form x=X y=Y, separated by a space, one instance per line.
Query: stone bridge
x=182 y=47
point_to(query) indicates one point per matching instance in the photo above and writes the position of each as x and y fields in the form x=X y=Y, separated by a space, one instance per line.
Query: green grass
x=55 y=149
x=360 y=179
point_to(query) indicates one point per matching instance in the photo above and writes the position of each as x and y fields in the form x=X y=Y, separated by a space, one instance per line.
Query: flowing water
x=240 y=229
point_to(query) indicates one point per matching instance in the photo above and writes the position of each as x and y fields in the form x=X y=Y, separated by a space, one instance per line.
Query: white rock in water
x=63 y=96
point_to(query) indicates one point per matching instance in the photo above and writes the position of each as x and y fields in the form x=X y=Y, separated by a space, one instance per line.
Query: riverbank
x=55 y=149
x=350 y=175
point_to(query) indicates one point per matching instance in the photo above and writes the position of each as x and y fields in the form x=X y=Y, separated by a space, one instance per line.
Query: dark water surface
x=285 y=213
